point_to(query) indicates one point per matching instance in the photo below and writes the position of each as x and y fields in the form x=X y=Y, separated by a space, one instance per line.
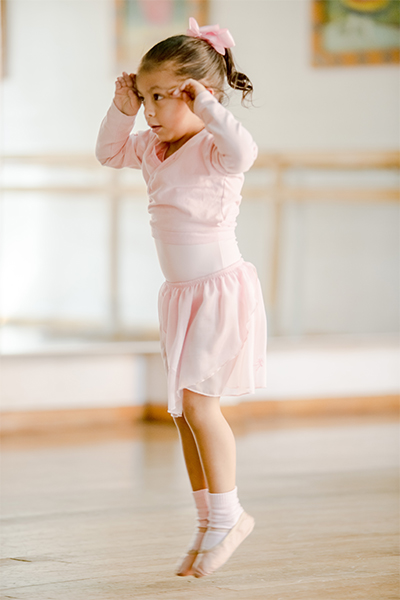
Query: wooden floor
x=105 y=514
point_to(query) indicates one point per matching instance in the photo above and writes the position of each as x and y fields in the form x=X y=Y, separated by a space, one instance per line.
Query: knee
x=191 y=407
x=196 y=408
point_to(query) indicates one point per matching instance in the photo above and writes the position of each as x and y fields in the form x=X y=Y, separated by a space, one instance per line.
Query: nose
x=149 y=111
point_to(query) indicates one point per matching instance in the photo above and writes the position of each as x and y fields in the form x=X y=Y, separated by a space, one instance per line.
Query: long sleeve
x=116 y=146
x=235 y=150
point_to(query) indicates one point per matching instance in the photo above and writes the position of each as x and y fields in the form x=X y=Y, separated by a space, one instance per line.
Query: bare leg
x=200 y=494
x=191 y=455
x=214 y=439
x=210 y=454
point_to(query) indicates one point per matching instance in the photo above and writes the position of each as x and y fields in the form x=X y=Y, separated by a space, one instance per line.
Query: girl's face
x=168 y=116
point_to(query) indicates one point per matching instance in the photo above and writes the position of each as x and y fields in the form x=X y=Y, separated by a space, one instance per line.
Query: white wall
x=340 y=261
x=61 y=69
x=59 y=74
x=302 y=107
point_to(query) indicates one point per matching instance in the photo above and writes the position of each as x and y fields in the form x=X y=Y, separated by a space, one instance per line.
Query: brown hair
x=197 y=59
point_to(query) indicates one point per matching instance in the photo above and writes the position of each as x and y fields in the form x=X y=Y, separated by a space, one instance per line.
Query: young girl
x=211 y=311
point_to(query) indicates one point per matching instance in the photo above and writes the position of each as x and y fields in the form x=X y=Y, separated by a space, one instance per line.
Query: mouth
x=155 y=128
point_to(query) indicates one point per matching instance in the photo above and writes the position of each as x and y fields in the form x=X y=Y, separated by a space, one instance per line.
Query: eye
x=140 y=98
x=157 y=97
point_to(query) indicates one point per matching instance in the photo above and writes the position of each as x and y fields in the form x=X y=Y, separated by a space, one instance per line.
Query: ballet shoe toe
x=184 y=567
x=208 y=561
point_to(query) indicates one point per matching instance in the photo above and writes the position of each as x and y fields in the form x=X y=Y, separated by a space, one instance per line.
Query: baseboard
x=50 y=420
x=296 y=408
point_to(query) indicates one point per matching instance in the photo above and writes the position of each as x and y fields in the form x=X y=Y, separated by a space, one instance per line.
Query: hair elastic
x=218 y=38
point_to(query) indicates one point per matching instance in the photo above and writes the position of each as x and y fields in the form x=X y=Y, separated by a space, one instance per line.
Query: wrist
x=203 y=98
x=122 y=111
x=204 y=94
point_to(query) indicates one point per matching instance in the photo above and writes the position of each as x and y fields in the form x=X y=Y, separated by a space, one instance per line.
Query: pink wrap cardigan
x=194 y=194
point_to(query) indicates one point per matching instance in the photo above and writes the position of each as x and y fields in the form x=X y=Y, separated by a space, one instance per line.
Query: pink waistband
x=210 y=277
x=188 y=262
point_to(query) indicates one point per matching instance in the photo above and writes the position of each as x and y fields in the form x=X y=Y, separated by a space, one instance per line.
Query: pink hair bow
x=218 y=38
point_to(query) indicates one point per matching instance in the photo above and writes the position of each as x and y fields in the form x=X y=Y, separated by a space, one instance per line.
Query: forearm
x=115 y=146
x=236 y=149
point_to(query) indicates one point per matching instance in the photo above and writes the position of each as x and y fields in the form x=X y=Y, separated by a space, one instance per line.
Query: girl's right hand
x=126 y=98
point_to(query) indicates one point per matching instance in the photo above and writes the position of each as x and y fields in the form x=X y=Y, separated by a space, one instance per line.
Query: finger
x=175 y=92
x=189 y=83
x=188 y=93
x=127 y=79
x=133 y=77
x=189 y=87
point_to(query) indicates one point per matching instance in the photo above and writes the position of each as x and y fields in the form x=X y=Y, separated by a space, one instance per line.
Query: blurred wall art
x=140 y=24
x=354 y=32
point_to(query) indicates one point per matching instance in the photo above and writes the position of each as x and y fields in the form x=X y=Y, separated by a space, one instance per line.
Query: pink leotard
x=185 y=262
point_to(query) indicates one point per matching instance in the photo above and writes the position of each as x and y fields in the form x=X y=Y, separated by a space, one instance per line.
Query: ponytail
x=235 y=79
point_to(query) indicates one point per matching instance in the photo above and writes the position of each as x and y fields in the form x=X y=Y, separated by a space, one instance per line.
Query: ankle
x=225 y=509
x=202 y=505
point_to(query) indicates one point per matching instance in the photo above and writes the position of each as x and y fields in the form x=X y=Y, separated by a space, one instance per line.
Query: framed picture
x=355 y=32
x=142 y=23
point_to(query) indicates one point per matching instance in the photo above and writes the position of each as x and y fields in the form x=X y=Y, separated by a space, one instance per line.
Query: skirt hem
x=241 y=393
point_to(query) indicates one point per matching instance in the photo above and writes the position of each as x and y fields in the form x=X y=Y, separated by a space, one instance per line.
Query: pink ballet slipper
x=184 y=567
x=210 y=560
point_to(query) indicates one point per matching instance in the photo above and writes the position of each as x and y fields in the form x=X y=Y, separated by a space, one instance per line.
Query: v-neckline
x=158 y=147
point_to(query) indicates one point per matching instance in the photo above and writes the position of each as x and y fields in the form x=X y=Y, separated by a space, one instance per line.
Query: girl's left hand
x=189 y=90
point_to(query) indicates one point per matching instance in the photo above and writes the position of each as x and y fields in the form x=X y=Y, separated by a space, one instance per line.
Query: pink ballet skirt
x=213 y=334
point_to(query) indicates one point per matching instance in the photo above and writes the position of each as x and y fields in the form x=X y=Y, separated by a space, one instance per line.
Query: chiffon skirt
x=213 y=334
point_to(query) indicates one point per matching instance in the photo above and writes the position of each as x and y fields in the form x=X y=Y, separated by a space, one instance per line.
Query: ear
x=211 y=91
